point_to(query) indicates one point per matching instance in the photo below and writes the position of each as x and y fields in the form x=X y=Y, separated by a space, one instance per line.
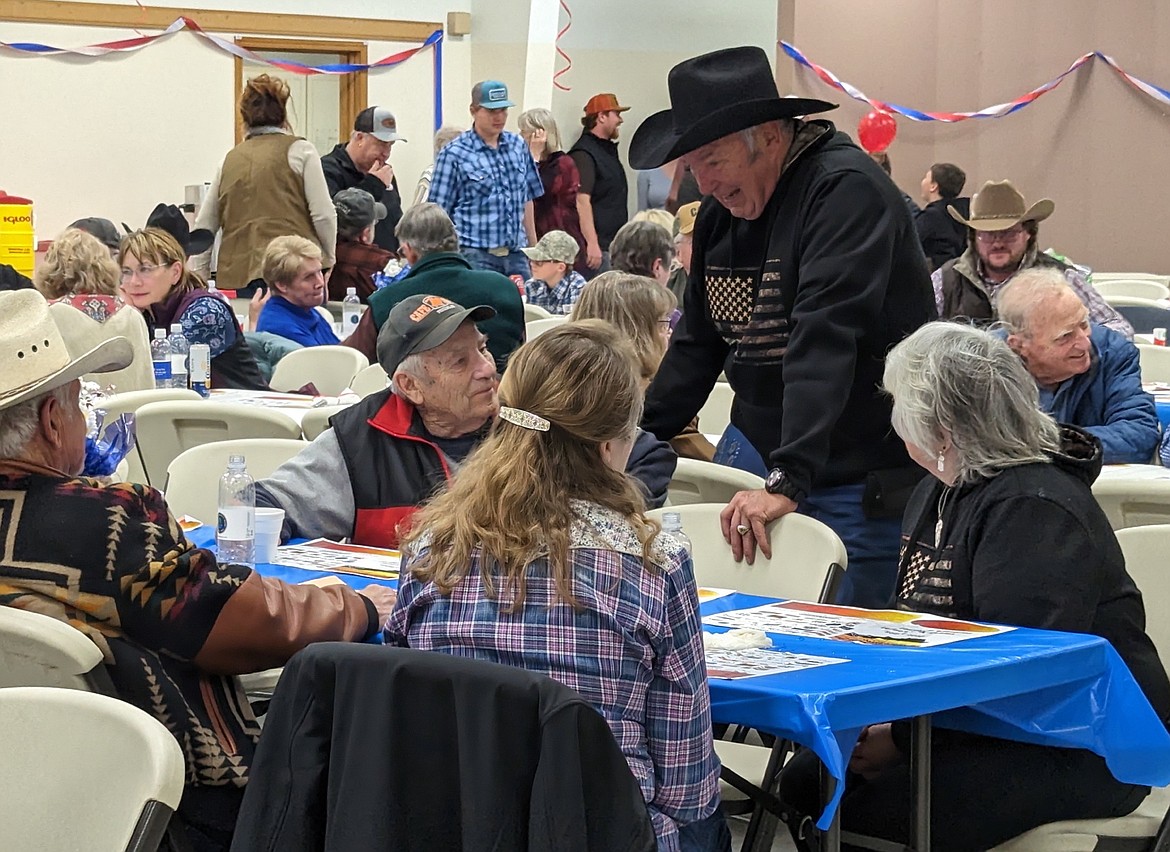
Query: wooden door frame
x=354 y=94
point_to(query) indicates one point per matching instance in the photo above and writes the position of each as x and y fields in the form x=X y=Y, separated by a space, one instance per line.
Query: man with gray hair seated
x=1087 y=375
x=427 y=240
x=386 y=455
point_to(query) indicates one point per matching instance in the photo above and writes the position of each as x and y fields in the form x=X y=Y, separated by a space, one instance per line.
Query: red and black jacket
x=392 y=469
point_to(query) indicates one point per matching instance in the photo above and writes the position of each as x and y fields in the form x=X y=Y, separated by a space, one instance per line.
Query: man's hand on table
x=753 y=510
x=382 y=597
x=875 y=751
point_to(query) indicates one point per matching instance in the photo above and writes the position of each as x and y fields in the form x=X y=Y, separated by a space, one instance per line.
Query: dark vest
x=969 y=300
x=235 y=367
x=392 y=471
x=610 y=191
x=260 y=198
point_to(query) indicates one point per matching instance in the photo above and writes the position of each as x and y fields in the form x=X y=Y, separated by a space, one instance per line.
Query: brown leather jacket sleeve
x=365 y=337
x=266 y=621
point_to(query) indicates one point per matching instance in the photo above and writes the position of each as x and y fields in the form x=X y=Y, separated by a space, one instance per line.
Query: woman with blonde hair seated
x=539 y=555
x=156 y=281
x=80 y=280
x=642 y=309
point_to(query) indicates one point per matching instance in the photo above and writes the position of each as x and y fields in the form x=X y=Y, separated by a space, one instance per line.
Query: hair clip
x=524 y=419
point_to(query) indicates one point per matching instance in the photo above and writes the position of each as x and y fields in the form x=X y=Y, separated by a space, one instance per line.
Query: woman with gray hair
x=1004 y=530
x=556 y=210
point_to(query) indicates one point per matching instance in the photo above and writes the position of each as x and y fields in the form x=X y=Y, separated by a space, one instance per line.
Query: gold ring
x=743 y=530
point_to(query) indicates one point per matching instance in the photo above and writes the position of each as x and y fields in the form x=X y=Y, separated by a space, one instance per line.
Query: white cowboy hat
x=998 y=206
x=35 y=357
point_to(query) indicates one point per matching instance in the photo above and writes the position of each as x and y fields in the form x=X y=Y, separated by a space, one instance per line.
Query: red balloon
x=876 y=131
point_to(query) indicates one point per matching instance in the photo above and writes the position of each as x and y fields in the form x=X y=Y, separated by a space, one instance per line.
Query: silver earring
x=942 y=464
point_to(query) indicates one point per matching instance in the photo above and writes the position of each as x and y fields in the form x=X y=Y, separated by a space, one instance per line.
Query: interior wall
x=1094 y=145
x=114 y=136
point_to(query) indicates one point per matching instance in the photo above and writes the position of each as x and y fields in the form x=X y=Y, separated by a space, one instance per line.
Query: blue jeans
x=706 y=835
x=590 y=274
x=871 y=543
x=514 y=262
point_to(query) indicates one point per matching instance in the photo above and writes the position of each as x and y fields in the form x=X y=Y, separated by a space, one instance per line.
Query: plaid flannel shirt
x=484 y=189
x=633 y=649
x=558 y=299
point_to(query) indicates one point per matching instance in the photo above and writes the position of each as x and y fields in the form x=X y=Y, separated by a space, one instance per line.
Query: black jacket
x=943 y=238
x=807 y=299
x=341 y=173
x=367 y=747
x=1030 y=547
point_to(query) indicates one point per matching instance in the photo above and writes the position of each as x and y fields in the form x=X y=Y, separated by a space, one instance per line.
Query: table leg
x=920 y=766
x=831 y=837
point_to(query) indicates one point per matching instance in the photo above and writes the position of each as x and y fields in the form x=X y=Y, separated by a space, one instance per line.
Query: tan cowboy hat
x=998 y=206
x=36 y=359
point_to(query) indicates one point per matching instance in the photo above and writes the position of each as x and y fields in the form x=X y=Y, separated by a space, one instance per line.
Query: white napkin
x=739 y=639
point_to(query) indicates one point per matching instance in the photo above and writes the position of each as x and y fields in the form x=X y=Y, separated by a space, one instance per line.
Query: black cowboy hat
x=711 y=96
x=170 y=218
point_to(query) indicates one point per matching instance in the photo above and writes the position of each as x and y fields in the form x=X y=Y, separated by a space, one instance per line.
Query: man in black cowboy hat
x=805 y=270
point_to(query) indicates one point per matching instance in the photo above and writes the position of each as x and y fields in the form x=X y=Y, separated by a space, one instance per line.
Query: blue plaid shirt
x=558 y=299
x=633 y=649
x=484 y=189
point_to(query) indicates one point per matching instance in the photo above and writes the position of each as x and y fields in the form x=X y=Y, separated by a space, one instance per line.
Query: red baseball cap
x=606 y=102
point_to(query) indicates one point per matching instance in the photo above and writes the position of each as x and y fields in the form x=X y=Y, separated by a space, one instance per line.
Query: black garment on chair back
x=373 y=748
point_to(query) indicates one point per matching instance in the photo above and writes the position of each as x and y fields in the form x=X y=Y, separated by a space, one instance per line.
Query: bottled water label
x=162 y=372
x=178 y=364
x=236 y=523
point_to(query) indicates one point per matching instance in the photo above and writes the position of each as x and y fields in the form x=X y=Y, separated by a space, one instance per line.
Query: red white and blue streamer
x=994 y=111
x=128 y=45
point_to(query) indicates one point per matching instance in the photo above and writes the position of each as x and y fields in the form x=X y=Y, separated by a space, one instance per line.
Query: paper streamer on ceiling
x=995 y=111
x=184 y=23
x=568 y=62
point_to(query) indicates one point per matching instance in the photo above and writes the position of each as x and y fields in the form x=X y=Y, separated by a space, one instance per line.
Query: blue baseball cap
x=490 y=94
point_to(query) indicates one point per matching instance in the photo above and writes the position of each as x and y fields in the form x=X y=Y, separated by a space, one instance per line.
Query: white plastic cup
x=268 y=524
x=1159 y=335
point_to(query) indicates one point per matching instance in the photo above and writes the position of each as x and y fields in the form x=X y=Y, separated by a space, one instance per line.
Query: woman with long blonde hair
x=642 y=309
x=539 y=555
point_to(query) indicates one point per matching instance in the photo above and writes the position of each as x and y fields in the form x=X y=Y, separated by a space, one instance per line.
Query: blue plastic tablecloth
x=1163 y=408
x=1037 y=686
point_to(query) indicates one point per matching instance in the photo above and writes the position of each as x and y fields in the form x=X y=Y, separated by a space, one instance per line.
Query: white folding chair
x=1155 y=362
x=56 y=741
x=1141 y=288
x=1145 y=551
x=1130 y=276
x=535 y=312
x=807 y=562
x=535 y=328
x=129 y=403
x=329 y=368
x=1122 y=301
x=39 y=650
x=316 y=421
x=192 y=484
x=715 y=415
x=697 y=481
x=370 y=380
x=1132 y=501
x=165 y=429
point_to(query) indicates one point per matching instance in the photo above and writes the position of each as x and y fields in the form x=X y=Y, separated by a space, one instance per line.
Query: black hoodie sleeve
x=847 y=241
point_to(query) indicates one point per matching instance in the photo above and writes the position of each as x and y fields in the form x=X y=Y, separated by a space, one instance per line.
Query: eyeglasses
x=142 y=271
x=1006 y=236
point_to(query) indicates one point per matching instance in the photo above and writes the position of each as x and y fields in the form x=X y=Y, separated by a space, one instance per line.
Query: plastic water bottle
x=351 y=311
x=672 y=526
x=160 y=354
x=180 y=352
x=215 y=291
x=201 y=369
x=235 y=536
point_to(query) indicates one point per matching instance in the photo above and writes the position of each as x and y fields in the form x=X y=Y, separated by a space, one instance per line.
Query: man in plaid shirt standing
x=486 y=180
